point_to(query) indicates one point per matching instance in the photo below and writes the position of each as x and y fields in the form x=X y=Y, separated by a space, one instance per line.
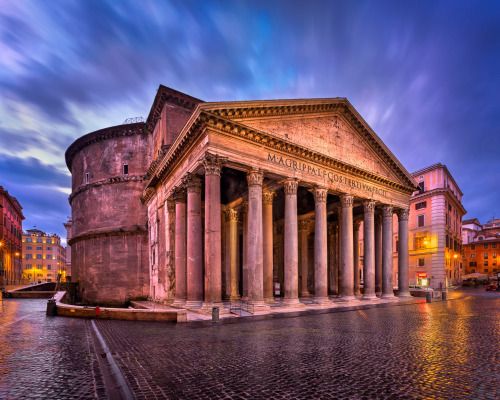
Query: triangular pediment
x=327 y=126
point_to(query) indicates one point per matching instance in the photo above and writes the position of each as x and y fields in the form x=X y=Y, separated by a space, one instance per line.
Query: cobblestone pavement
x=443 y=350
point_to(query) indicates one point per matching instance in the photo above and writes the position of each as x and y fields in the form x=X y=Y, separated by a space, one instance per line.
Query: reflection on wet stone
x=445 y=350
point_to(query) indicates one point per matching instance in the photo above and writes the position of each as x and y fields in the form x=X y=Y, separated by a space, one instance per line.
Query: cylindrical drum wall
x=109 y=244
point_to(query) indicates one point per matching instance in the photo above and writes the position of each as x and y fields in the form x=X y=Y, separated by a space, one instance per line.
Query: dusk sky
x=424 y=74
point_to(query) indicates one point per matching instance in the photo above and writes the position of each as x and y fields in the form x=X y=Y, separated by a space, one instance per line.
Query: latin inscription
x=324 y=173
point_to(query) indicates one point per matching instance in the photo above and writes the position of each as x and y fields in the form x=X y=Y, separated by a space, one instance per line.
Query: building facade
x=68 y=226
x=11 y=219
x=482 y=249
x=43 y=257
x=435 y=224
x=237 y=200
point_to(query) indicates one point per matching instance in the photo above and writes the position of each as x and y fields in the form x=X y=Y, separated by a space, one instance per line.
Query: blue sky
x=424 y=74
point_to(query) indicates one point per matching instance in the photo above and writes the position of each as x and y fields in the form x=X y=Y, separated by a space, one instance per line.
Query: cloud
x=424 y=76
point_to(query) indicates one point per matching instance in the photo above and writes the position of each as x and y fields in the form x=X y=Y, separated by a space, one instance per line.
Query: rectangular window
x=29 y=256
x=421 y=262
x=472 y=255
x=486 y=270
x=38 y=256
x=28 y=240
x=419 y=206
x=87 y=177
x=39 y=247
x=485 y=255
x=421 y=220
x=49 y=267
x=473 y=247
x=493 y=245
x=472 y=264
x=494 y=255
x=421 y=187
x=125 y=169
x=485 y=245
x=485 y=263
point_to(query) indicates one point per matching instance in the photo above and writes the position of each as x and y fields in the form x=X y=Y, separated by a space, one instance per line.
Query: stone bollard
x=215 y=314
x=428 y=297
x=51 y=308
x=444 y=295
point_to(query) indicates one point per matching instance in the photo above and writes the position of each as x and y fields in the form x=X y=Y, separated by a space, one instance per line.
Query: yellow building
x=43 y=257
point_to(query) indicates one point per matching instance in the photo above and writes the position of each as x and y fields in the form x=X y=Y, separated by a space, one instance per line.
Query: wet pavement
x=443 y=350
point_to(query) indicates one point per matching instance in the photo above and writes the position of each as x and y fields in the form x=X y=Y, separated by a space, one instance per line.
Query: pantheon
x=252 y=201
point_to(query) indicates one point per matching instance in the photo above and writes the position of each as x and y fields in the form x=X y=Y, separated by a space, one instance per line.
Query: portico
x=271 y=195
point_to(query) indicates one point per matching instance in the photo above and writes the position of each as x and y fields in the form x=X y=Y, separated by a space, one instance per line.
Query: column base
x=404 y=294
x=193 y=304
x=269 y=300
x=322 y=300
x=369 y=297
x=388 y=296
x=346 y=298
x=293 y=302
x=305 y=294
x=235 y=298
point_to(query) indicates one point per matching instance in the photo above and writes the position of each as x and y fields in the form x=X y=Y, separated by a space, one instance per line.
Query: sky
x=424 y=74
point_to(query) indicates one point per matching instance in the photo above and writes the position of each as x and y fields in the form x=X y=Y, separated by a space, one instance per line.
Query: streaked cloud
x=424 y=75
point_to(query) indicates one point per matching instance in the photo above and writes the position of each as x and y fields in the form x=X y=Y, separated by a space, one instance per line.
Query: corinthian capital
x=320 y=194
x=213 y=164
x=179 y=194
x=290 y=185
x=268 y=196
x=387 y=211
x=231 y=214
x=346 y=200
x=369 y=206
x=192 y=183
x=403 y=214
x=255 y=177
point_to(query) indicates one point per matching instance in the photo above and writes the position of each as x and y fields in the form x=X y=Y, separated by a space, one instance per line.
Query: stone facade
x=245 y=200
x=109 y=251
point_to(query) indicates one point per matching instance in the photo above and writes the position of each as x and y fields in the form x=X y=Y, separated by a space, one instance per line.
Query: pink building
x=435 y=229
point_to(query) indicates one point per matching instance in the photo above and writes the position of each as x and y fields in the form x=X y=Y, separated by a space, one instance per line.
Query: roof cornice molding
x=168 y=95
x=202 y=119
x=101 y=135
x=273 y=108
x=445 y=191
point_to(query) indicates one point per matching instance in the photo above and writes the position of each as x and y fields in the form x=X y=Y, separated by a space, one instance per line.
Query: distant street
x=443 y=350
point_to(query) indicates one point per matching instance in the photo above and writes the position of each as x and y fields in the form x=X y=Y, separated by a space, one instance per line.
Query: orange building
x=482 y=250
x=43 y=257
x=11 y=218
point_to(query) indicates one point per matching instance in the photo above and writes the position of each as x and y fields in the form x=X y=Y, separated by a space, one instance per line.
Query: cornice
x=202 y=119
x=168 y=95
x=273 y=108
x=122 y=231
x=444 y=191
x=101 y=135
x=108 y=181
